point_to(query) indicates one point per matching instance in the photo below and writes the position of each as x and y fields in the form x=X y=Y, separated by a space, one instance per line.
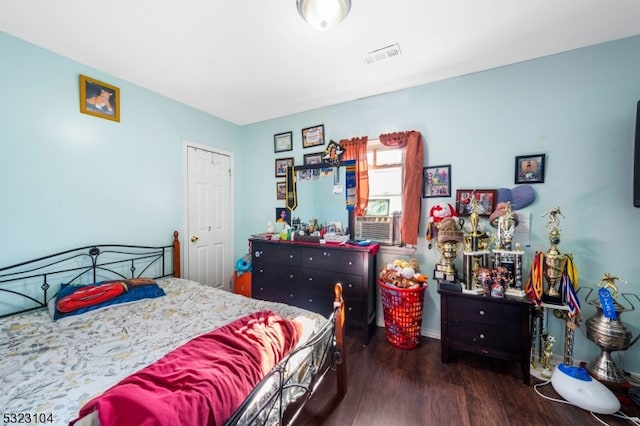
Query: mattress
x=50 y=369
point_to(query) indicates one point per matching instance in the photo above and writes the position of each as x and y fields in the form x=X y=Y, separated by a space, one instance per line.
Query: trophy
x=449 y=238
x=606 y=330
x=476 y=251
x=506 y=222
x=554 y=261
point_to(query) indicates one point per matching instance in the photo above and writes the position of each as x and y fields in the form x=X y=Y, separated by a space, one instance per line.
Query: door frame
x=185 y=218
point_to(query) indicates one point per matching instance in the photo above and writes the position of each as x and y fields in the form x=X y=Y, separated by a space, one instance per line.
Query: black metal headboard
x=25 y=286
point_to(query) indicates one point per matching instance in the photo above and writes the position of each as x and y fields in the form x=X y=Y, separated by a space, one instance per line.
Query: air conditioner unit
x=375 y=228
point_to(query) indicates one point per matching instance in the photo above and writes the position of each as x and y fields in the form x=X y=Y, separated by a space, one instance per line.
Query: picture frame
x=313 y=136
x=436 y=181
x=99 y=99
x=282 y=215
x=283 y=142
x=309 y=159
x=281 y=190
x=486 y=201
x=378 y=207
x=530 y=168
x=281 y=166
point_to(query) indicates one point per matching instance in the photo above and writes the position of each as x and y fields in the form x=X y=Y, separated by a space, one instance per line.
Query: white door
x=209 y=235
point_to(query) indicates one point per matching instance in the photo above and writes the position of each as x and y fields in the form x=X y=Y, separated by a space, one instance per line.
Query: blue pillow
x=78 y=299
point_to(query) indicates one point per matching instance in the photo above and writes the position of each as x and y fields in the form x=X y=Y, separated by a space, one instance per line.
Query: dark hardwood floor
x=390 y=386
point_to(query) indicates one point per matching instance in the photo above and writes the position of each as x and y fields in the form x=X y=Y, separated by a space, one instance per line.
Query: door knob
x=194 y=239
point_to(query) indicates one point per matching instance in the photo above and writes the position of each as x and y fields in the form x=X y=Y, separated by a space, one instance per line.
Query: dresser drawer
x=333 y=260
x=264 y=272
x=277 y=293
x=352 y=285
x=283 y=255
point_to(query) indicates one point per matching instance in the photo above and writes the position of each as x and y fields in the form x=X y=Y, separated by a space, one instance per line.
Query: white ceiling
x=253 y=60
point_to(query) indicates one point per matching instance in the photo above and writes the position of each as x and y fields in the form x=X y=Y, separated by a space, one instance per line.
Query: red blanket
x=202 y=382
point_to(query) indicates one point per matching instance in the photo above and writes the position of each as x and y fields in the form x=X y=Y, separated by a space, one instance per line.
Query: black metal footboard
x=297 y=375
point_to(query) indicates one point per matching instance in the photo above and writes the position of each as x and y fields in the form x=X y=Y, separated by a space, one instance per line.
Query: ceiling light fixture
x=323 y=15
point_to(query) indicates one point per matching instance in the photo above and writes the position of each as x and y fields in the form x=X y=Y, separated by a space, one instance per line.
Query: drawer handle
x=350 y=285
x=291 y=256
x=261 y=270
x=326 y=254
x=310 y=278
x=310 y=258
x=291 y=296
x=290 y=275
x=349 y=308
x=481 y=336
x=481 y=313
x=258 y=253
x=350 y=263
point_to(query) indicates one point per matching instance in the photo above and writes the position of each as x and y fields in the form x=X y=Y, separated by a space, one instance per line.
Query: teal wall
x=70 y=179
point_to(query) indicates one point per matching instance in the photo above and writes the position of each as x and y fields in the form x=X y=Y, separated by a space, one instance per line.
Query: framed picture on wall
x=436 y=181
x=315 y=158
x=99 y=99
x=281 y=166
x=313 y=136
x=485 y=201
x=530 y=168
x=281 y=190
x=283 y=142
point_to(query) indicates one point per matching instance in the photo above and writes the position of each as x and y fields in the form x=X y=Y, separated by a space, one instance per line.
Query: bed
x=75 y=350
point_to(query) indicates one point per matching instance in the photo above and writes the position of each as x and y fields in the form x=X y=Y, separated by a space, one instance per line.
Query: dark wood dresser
x=491 y=326
x=304 y=274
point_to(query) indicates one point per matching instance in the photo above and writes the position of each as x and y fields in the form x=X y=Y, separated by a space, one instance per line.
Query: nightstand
x=491 y=326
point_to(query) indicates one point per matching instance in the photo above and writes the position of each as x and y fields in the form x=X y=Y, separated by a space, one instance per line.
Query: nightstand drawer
x=485 y=338
x=483 y=311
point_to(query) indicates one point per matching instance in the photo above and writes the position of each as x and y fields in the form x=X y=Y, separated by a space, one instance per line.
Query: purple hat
x=520 y=196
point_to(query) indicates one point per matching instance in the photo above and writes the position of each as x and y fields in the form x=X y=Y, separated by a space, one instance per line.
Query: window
x=385 y=174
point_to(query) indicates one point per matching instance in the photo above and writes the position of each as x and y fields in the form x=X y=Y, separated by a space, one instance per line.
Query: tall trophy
x=448 y=243
x=554 y=261
x=606 y=330
x=506 y=221
x=476 y=252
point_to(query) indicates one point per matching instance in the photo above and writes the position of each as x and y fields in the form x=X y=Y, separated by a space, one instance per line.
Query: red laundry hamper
x=402 y=309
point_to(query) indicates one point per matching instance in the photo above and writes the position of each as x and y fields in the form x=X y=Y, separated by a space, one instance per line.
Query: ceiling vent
x=383 y=53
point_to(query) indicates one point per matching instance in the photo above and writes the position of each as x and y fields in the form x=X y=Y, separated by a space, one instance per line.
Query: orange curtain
x=356 y=149
x=411 y=141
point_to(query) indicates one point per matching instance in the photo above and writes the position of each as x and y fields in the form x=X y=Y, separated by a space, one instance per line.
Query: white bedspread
x=52 y=368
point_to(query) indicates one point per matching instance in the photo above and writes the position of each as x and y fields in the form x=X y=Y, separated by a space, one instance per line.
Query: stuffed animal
x=437 y=214
x=403 y=274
